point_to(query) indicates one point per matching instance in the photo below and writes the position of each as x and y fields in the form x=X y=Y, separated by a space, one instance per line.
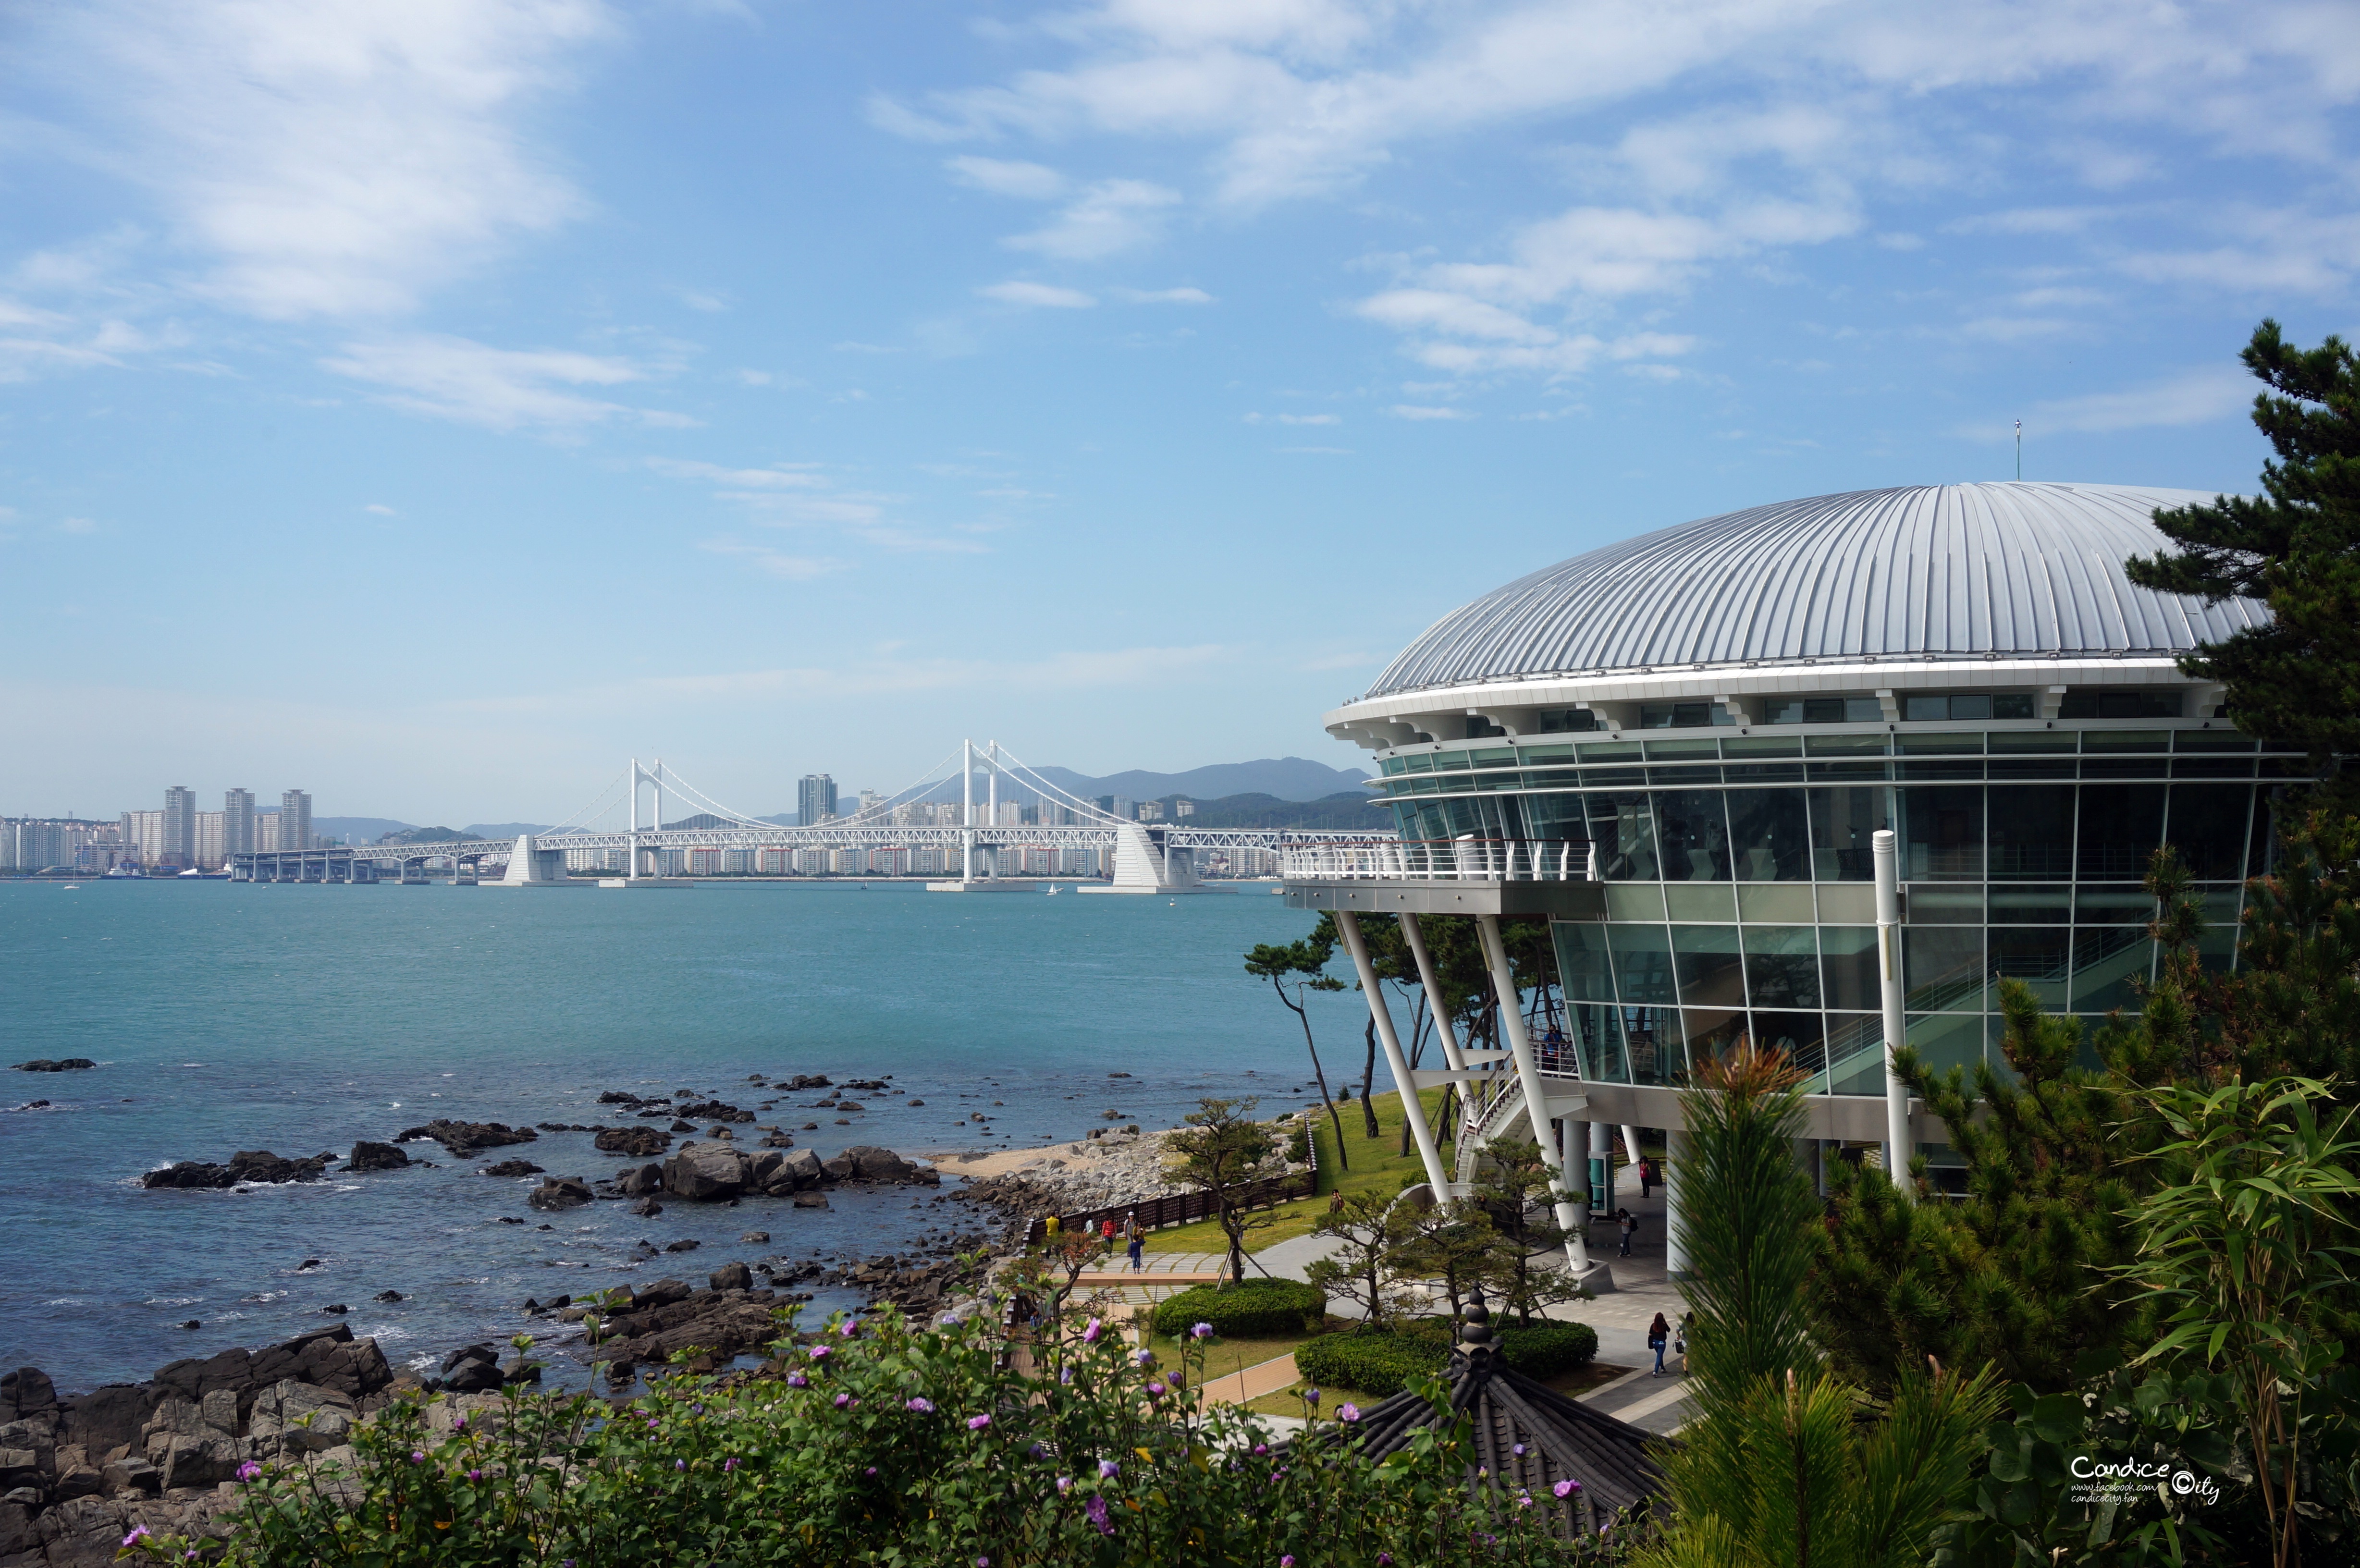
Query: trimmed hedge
x=1254 y=1308
x=1382 y=1363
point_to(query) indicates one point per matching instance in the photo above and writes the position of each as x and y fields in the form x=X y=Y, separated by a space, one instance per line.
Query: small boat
x=1053 y=889
x=73 y=886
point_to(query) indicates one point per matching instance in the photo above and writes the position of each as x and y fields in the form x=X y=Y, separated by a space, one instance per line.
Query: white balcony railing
x=1468 y=859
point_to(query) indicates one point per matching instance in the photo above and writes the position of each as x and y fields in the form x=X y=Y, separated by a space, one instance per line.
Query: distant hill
x=426 y=835
x=501 y=830
x=1284 y=777
x=360 y=830
x=1343 y=812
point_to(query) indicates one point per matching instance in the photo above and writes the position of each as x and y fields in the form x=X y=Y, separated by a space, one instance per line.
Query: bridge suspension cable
x=585 y=814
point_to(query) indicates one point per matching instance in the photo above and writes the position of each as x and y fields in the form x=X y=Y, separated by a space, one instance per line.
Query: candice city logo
x=2120 y=1480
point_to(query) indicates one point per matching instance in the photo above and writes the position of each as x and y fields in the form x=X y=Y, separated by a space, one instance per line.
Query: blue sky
x=433 y=404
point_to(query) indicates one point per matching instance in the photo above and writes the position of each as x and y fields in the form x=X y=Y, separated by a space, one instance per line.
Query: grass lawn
x=1377 y=1166
x=1288 y=1401
x=1224 y=1357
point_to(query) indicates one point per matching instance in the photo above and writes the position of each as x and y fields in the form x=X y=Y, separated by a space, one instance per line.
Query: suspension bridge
x=967 y=842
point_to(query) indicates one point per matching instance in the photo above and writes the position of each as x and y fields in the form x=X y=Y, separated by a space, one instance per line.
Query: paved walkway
x=1251 y=1382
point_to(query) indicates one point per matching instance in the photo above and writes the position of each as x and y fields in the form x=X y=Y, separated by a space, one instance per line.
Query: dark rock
x=509 y=1219
x=26 y=1392
x=645 y=1180
x=714 y=1110
x=513 y=1168
x=560 y=1193
x=733 y=1277
x=339 y=1309
x=474 y=1370
x=917 y=1102
x=810 y=1200
x=132 y=1475
x=839 y=1168
x=551 y=1126
x=307 y=1263
x=517 y=1371
x=465 y=1139
x=64 y=1064
x=647 y=1208
x=706 y=1172
x=686 y=1244
x=663 y=1293
x=109 y=1418
x=802 y=1081
x=638 y=1142
x=754 y=1238
x=246 y=1165
x=850 y=1105
x=388 y=1295
x=618 y=1097
x=377 y=1157
x=679 y=1125
x=194 y=1322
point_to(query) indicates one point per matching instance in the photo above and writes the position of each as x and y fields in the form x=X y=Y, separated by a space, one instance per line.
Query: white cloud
x=2198 y=398
x=1111 y=216
x=1037 y=294
x=702 y=299
x=1295 y=419
x=1009 y=177
x=325 y=161
x=774 y=562
x=1162 y=296
x=502 y=389
x=1424 y=411
x=377 y=509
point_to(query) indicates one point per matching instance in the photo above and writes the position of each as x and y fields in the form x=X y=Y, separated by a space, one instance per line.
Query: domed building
x=1681 y=748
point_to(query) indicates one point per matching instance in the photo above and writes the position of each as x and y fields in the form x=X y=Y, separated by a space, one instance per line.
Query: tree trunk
x=1320 y=1075
x=1368 y=1079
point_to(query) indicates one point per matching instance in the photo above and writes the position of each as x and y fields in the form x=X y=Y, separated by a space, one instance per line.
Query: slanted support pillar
x=1675 y=1251
x=1885 y=851
x=1437 y=1006
x=1528 y=1073
x=1413 y=1109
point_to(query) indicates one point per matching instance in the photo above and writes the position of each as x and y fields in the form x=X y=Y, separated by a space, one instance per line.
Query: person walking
x=1629 y=1226
x=1646 y=1176
x=1659 y=1335
x=1138 y=1238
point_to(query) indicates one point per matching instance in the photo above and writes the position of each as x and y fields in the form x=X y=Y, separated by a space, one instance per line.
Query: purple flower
x=819 y=1352
x=1384 y=1560
x=1524 y=1499
x=728 y=1464
x=1518 y=1451
x=459 y=1422
x=1348 y=1412
x=1261 y=1449
x=849 y=1330
x=1097 y=1509
x=977 y=1423
x=1065 y=1485
x=1145 y=1359
x=1036 y=1452
x=870 y=1471
x=138 y=1533
x=1108 y=1469
x=983 y=1562
x=1175 y=1379
x=924 y=1406
x=1202 y=1331
x=248 y=1471
x=475 y=1475
x=680 y=1463
x=797 y=1380
x=418 y=1456
x=1566 y=1489
x=1090 y=1333
x=842 y=1401
x=1287 y=1561
x=1155 y=1391
x=1310 y=1396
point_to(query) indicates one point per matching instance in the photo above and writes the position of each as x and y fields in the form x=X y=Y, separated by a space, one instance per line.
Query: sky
x=434 y=405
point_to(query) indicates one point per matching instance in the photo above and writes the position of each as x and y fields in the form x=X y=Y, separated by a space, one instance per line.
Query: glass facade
x=1739 y=874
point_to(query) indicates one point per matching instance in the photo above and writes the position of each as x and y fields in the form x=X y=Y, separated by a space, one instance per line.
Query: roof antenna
x=2019 y=451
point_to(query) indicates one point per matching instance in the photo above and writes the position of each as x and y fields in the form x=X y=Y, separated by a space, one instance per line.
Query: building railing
x=1467 y=859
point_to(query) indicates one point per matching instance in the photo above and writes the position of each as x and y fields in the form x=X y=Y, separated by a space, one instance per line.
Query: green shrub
x=1255 y=1309
x=1372 y=1364
x=1382 y=1363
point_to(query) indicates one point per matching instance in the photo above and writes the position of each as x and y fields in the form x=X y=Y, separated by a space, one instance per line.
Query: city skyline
x=538 y=381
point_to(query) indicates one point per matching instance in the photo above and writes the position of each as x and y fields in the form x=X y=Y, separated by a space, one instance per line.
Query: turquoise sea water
x=301 y=1019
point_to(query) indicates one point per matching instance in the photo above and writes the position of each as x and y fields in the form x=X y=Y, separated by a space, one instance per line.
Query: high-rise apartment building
x=815 y=800
x=179 y=849
x=294 y=820
x=211 y=835
x=237 y=822
x=870 y=799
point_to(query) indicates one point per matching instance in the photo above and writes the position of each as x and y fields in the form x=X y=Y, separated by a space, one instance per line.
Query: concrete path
x=1251 y=1382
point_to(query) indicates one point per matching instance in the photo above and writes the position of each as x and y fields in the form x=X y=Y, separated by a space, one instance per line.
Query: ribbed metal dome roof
x=1955 y=569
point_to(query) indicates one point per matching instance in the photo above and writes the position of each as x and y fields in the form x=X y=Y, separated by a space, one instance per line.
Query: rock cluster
x=707 y=1172
x=1101 y=1174
x=377 y=1157
x=76 y=1474
x=246 y=1165
x=465 y=1139
x=63 y=1064
x=638 y=1143
x=647 y=1324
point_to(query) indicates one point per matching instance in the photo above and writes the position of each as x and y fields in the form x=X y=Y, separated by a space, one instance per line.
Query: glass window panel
x=1532 y=754
x=2125 y=740
x=1694 y=835
x=2211 y=740
x=1855 y=1053
x=1769 y=835
x=1652 y=1036
x=2130 y=905
x=1772 y=903
x=1682 y=750
x=2040 y=957
x=1598 y=1035
x=1848 y=966
x=1801 y=1035
x=1554 y=816
x=2260 y=847
x=1622 y=827
x=1970 y=705
x=2109 y=963
x=1845 y=745
x=1711 y=969
x=2032 y=740
x=2009 y=706
x=1643 y=963
x=2031 y=906
x=1933 y=904
x=2031 y=831
x=1943 y=968
x=1700 y=901
x=1939 y=744
x=2216 y=950
x=1847 y=903
x=1782 y=966
x=1450 y=761
x=1923 y=708
x=1418 y=762
x=1608 y=751
x=1762 y=746
x=1947 y=1040
x=1634 y=901
x=1842 y=818
x=1581 y=963
x=1711 y=1033
x=1942 y=832
x=2208 y=823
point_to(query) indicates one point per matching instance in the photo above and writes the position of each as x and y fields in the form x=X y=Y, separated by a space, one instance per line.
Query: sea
x=301 y=1019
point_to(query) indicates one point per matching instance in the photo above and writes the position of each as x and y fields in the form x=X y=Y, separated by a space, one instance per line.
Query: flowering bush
x=907 y=1444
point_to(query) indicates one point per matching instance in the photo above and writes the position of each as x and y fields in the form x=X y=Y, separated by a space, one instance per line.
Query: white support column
x=1576 y=1160
x=1676 y=1252
x=1631 y=1147
x=967 y=811
x=1434 y=1004
x=1886 y=851
x=1348 y=923
x=1528 y=1072
x=631 y=867
x=1602 y=1150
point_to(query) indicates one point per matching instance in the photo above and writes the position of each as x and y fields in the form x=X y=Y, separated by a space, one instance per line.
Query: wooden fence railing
x=1184 y=1208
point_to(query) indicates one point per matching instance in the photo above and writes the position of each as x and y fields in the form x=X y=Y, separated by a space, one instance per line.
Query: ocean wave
x=172 y=1301
x=67 y=1301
